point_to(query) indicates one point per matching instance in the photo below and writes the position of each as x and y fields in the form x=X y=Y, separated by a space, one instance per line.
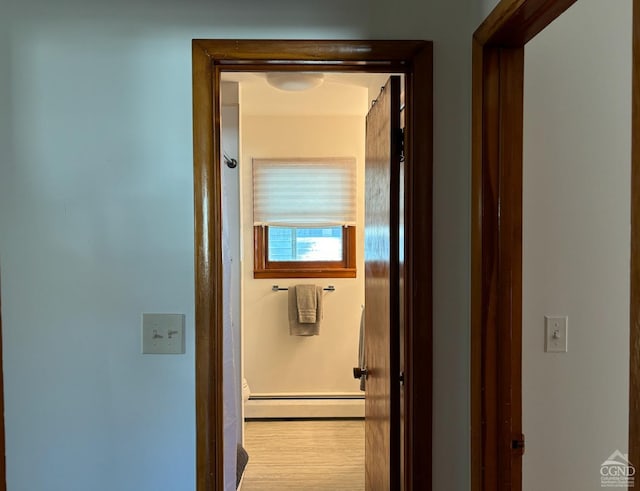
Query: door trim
x=3 y=453
x=634 y=312
x=496 y=300
x=414 y=59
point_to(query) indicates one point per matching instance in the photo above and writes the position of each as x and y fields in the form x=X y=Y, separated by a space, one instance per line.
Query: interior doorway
x=324 y=122
x=314 y=127
x=413 y=59
x=498 y=75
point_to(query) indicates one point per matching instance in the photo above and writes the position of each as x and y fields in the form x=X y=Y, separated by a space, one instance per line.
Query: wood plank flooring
x=304 y=456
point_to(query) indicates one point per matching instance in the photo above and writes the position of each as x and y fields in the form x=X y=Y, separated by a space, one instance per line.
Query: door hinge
x=401 y=143
x=517 y=444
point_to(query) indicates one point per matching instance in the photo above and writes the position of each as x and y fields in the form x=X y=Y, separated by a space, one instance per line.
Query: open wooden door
x=382 y=302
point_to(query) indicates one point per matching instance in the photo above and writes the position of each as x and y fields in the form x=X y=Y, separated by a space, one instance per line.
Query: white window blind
x=304 y=192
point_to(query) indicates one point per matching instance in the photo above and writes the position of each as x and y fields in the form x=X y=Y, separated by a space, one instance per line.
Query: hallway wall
x=96 y=225
x=576 y=244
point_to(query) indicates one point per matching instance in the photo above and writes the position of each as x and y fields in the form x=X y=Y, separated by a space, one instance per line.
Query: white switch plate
x=555 y=329
x=163 y=334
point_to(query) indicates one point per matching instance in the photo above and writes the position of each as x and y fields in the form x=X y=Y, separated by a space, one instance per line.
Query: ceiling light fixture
x=294 y=81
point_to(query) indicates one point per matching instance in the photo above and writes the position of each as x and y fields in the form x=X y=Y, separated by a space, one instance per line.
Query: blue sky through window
x=305 y=243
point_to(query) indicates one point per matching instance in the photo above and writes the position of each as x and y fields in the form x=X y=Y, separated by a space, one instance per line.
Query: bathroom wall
x=274 y=361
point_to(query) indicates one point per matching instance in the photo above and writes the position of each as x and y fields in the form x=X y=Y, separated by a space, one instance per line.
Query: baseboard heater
x=304 y=406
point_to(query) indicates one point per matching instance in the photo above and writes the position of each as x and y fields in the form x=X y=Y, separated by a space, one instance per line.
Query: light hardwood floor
x=304 y=456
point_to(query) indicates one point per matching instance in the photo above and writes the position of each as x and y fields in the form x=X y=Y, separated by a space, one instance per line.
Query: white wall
x=576 y=243
x=231 y=364
x=96 y=225
x=488 y=6
x=274 y=361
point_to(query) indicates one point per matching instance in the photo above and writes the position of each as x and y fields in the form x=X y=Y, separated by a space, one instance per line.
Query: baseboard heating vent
x=304 y=406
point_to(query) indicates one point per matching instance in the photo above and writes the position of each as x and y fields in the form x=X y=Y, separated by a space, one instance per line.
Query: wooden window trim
x=263 y=268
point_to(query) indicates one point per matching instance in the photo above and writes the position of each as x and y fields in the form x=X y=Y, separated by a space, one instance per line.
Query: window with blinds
x=304 y=213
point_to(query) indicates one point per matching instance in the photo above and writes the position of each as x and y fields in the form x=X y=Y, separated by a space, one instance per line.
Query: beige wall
x=576 y=243
x=274 y=361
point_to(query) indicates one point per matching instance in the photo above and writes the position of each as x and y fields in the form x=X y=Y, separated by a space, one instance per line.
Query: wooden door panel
x=382 y=445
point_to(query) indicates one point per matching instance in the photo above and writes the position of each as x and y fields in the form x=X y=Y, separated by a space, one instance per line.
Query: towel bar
x=276 y=288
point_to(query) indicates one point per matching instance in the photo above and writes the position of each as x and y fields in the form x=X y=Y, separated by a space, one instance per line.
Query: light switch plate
x=555 y=329
x=163 y=334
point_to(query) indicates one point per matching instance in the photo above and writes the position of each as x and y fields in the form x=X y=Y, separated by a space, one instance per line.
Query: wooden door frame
x=414 y=59
x=3 y=453
x=496 y=278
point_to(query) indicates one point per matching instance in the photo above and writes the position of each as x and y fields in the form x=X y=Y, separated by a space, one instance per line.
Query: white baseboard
x=304 y=408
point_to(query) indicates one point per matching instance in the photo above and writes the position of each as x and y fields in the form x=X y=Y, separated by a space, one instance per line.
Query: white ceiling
x=340 y=94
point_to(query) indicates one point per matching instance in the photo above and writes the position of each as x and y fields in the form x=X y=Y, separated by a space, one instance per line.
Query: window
x=305 y=243
x=304 y=218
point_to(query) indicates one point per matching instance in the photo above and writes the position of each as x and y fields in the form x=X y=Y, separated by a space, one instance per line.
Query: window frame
x=263 y=268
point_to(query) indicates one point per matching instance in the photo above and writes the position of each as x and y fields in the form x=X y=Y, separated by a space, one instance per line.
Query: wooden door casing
x=382 y=343
x=415 y=60
x=496 y=258
x=634 y=314
x=3 y=454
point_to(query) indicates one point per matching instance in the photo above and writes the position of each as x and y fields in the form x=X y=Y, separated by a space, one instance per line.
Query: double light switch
x=163 y=333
